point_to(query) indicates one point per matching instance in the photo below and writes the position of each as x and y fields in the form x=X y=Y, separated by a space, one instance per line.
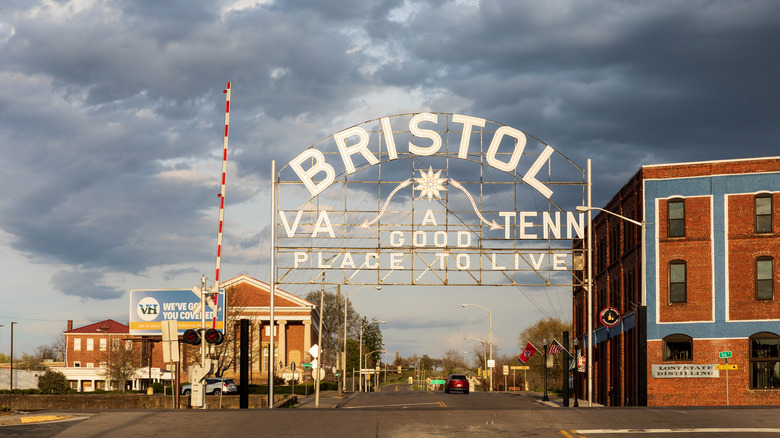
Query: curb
x=10 y=421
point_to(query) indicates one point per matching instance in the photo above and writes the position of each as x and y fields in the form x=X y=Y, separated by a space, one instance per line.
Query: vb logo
x=148 y=309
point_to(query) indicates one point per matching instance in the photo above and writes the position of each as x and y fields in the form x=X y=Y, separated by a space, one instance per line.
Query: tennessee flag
x=527 y=353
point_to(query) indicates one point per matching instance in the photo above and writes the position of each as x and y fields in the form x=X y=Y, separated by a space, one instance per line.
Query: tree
x=452 y=359
x=372 y=339
x=539 y=334
x=122 y=359
x=53 y=382
x=332 y=316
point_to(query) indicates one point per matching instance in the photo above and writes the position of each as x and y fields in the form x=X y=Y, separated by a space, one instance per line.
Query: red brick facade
x=720 y=312
x=695 y=249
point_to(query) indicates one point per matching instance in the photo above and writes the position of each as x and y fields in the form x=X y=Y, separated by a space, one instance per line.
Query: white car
x=215 y=385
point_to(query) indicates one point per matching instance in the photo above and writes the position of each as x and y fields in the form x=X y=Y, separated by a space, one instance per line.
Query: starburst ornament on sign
x=430 y=184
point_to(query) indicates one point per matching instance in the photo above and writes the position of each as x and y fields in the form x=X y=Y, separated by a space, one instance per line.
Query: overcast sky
x=111 y=117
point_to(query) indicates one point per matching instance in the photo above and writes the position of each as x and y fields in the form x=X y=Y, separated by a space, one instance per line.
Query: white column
x=283 y=343
x=306 y=340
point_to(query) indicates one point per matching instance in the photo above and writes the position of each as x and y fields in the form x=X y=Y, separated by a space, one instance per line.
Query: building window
x=90 y=365
x=77 y=364
x=90 y=344
x=677 y=282
x=128 y=345
x=676 y=218
x=764 y=361
x=77 y=344
x=103 y=344
x=763 y=213
x=765 y=278
x=678 y=347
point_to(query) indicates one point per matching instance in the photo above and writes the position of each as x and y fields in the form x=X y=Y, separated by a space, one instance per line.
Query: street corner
x=11 y=420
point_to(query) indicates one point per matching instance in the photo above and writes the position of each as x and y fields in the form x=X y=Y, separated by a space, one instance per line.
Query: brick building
x=294 y=332
x=90 y=348
x=710 y=244
x=88 y=351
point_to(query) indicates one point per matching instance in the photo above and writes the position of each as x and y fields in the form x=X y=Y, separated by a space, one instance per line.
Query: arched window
x=765 y=271
x=678 y=347
x=677 y=281
x=764 y=361
x=763 y=209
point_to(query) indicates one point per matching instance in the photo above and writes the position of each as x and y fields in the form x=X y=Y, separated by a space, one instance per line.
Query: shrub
x=158 y=387
x=53 y=382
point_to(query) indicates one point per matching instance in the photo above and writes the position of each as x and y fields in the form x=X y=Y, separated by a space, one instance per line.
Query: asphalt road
x=403 y=413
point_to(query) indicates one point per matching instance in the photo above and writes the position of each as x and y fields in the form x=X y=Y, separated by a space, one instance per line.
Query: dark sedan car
x=457 y=382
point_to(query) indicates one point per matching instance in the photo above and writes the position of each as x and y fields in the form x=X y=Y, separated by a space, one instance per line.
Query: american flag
x=555 y=348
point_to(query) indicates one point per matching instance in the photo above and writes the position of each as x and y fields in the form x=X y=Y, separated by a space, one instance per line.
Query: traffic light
x=191 y=337
x=214 y=336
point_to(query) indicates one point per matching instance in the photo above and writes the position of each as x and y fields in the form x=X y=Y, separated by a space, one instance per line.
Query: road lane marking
x=388 y=406
x=441 y=403
x=737 y=430
x=571 y=434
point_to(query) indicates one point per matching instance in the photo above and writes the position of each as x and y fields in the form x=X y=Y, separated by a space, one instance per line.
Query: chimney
x=70 y=324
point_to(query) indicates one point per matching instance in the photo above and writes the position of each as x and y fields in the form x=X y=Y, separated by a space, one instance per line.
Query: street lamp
x=589 y=283
x=484 y=353
x=576 y=366
x=12 y=356
x=369 y=354
x=490 y=318
x=373 y=321
x=344 y=358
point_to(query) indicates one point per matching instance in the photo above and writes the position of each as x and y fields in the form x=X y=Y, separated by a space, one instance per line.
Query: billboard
x=148 y=308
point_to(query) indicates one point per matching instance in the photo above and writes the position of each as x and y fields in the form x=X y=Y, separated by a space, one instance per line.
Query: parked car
x=457 y=382
x=215 y=385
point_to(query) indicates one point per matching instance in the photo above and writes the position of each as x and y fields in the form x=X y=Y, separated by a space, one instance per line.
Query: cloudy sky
x=111 y=117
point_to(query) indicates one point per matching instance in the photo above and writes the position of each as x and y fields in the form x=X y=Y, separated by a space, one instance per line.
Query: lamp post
x=589 y=209
x=369 y=354
x=362 y=326
x=484 y=353
x=344 y=361
x=545 y=397
x=490 y=318
x=12 y=356
x=576 y=344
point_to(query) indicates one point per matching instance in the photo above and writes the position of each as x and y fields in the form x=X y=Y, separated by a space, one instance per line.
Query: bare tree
x=539 y=334
x=121 y=360
x=451 y=361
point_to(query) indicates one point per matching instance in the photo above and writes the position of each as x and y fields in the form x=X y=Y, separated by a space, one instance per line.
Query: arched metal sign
x=428 y=199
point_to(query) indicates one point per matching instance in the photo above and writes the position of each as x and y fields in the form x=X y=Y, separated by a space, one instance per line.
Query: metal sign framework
x=428 y=199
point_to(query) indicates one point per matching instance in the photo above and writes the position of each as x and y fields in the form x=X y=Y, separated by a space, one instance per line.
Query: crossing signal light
x=214 y=336
x=191 y=337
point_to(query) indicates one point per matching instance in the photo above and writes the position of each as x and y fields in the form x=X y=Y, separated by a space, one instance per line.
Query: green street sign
x=306 y=365
x=438 y=382
x=724 y=354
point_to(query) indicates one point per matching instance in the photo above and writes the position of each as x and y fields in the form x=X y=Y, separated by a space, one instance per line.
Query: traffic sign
x=292 y=366
x=314 y=351
x=506 y=370
x=725 y=367
x=724 y=354
x=520 y=367
x=438 y=382
x=306 y=365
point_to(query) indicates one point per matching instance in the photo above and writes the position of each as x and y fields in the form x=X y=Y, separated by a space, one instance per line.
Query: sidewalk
x=328 y=399
x=557 y=401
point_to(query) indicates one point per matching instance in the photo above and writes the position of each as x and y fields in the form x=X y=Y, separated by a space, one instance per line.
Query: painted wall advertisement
x=148 y=308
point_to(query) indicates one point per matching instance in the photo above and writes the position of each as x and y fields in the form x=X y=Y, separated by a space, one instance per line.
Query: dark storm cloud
x=108 y=111
x=85 y=284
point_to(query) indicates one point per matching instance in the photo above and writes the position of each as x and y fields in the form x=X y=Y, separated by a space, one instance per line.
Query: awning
x=603 y=333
